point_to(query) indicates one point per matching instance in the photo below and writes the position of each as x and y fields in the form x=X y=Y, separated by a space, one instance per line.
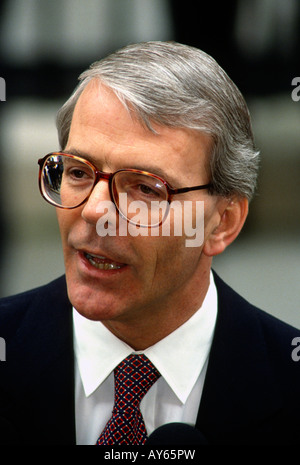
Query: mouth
x=102 y=263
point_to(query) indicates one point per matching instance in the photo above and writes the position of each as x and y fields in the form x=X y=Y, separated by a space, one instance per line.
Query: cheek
x=174 y=262
x=61 y=224
x=66 y=220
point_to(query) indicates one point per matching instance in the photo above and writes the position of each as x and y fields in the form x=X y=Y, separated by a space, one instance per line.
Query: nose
x=98 y=203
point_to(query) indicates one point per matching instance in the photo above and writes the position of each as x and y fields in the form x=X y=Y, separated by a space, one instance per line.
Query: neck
x=141 y=333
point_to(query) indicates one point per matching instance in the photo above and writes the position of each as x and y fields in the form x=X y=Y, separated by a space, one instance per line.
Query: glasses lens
x=66 y=181
x=140 y=198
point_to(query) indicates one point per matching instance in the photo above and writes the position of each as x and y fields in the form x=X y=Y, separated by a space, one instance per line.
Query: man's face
x=149 y=278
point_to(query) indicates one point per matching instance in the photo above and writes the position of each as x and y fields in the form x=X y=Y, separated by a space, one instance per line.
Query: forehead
x=104 y=129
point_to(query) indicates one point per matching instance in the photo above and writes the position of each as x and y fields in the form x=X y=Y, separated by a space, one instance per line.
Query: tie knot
x=133 y=378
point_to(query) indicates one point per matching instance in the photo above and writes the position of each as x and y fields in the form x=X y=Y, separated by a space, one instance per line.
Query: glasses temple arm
x=188 y=189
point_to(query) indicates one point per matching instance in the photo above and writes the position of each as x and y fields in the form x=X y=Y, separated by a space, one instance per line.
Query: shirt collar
x=179 y=357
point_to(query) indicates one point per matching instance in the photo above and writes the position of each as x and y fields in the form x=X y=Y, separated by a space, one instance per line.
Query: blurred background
x=46 y=44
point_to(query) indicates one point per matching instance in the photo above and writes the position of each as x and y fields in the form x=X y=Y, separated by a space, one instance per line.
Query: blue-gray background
x=45 y=44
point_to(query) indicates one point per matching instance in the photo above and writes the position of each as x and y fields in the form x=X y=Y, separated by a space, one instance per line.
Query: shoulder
x=251 y=358
x=238 y=308
x=252 y=327
x=19 y=302
x=16 y=309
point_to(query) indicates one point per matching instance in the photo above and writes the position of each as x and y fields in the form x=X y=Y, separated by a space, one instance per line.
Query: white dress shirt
x=181 y=358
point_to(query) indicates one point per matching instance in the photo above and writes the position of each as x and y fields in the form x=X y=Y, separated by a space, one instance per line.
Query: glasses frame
x=109 y=177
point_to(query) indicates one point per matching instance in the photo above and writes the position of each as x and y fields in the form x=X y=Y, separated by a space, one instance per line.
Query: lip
x=88 y=264
x=102 y=262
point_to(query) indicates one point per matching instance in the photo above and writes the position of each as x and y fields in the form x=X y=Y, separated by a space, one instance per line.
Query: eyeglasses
x=66 y=181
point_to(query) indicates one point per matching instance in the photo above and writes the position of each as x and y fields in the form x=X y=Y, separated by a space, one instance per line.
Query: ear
x=231 y=222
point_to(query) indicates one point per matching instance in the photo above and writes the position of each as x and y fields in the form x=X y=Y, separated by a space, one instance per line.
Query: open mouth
x=102 y=263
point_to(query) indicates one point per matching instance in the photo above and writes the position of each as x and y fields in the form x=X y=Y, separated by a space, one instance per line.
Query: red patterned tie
x=133 y=378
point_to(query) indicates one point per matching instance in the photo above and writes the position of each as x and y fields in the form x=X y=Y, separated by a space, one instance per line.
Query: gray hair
x=180 y=86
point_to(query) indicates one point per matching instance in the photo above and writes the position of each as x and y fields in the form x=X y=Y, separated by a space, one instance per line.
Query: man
x=152 y=124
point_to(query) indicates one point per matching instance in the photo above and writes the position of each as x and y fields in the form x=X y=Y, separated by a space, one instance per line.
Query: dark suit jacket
x=251 y=393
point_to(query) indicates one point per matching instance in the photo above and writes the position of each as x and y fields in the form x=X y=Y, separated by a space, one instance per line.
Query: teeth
x=102 y=263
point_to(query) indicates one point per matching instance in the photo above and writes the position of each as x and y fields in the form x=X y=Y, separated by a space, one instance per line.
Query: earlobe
x=231 y=222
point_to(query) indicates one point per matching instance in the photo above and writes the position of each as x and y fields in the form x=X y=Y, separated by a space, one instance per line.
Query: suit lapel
x=239 y=387
x=45 y=369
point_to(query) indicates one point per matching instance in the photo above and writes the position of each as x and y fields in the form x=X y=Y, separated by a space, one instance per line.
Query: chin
x=91 y=304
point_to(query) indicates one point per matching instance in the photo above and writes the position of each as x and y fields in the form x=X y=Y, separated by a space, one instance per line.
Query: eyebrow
x=149 y=169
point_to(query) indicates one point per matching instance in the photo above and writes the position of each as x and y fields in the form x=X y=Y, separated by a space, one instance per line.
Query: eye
x=76 y=173
x=77 y=177
x=139 y=186
x=144 y=189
